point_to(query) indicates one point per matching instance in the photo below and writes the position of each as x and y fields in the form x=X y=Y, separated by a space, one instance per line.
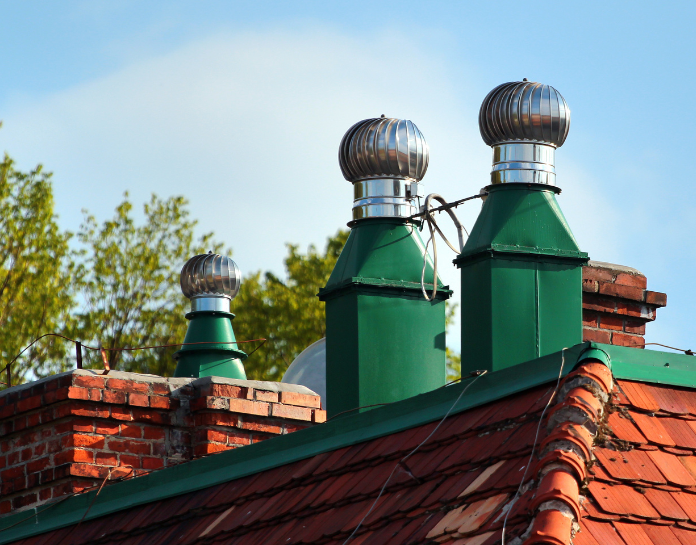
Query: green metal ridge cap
x=234 y=464
x=653 y=366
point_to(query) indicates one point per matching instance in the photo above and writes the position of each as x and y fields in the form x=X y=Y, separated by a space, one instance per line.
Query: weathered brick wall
x=64 y=433
x=616 y=304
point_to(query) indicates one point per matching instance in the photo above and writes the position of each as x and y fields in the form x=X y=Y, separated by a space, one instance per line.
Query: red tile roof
x=614 y=465
x=643 y=487
x=461 y=478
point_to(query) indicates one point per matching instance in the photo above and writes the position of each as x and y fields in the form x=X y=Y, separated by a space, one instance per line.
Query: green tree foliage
x=35 y=271
x=129 y=284
x=286 y=312
x=120 y=289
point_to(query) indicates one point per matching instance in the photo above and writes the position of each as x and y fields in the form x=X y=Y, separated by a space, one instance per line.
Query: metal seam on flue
x=627 y=363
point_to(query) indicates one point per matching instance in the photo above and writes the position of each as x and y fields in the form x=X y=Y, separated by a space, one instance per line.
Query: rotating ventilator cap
x=210 y=281
x=384 y=159
x=524 y=122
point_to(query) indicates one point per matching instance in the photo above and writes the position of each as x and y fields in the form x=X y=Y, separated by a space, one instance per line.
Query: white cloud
x=247 y=126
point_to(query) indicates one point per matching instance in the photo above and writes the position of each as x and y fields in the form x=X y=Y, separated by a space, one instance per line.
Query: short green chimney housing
x=384 y=340
x=210 y=281
x=521 y=267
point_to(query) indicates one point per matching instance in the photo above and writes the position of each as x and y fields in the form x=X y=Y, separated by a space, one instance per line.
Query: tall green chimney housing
x=210 y=281
x=521 y=266
x=384 y=341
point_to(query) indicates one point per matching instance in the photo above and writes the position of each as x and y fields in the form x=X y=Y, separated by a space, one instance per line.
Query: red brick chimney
x=64 y=433
x=616 y=304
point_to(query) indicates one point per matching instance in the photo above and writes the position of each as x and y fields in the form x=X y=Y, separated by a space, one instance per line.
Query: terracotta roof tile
x=486 y=474
x=638 y=396
x=684 y=536
x=595 y=511
x=651 y=427
x=668 y=399
x=687 y=502
x=622 y=500
x=688 y=398
x=680 y=431
x=599 y=473
x=509 y=474
x=604 y=533
x=673 y=470
x=450 y=488
x=624 y=429
x=665 y=504
x=584 y=537
x=616 y=464
x=478 y=513
x=661 y=535
x=643 y=465
x=550 y=527
x=455 y=489
x=633 y=533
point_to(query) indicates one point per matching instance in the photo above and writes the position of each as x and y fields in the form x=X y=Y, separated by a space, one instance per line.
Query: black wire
x=687 y=352
x=36 y=514
x=127 y=348
x=476 y=375
x=448 y=205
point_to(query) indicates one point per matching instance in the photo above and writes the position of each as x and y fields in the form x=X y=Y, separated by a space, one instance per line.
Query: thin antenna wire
x=102 y=349
x=536 y=438
x=478 y=375
x=688 y=352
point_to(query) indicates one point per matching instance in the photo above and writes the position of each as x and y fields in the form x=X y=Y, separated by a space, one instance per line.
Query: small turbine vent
x=524 y=111
x=210 y=276
x=383 y=148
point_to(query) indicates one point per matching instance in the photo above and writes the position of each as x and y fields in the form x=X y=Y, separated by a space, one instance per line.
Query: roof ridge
x=566 y=453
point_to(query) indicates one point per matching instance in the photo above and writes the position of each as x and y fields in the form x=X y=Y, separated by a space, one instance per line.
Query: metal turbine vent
x=524 y=110
x=211 y=281
x=384 y=158
x=383 y=147
x=524 y=122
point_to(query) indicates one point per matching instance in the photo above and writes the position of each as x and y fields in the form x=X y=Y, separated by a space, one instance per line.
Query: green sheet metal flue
x=384 y=341
x=206 y=360
x=521 y=272
x=210 y=348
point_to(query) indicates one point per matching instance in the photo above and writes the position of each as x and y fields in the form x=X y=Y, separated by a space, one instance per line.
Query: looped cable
x=432 y=228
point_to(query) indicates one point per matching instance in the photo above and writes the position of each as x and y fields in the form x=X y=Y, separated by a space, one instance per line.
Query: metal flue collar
x=210 y=281
x=384 y=158
x=524 y=122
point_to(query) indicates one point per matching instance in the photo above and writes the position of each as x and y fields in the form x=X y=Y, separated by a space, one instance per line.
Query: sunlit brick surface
x=64 y=434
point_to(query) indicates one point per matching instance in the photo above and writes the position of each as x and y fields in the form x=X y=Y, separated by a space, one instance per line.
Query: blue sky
x=240 y=107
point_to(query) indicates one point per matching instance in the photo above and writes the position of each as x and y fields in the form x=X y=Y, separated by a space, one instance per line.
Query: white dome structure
x=309 y=369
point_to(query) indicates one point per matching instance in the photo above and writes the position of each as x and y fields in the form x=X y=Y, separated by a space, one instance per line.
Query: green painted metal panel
x=381 y=248
x=522 y=218
x=560 y=305
x=343 y=351
x=382 y=346
x=651 y=366
x=514 y=333
x=521 y=273
x=384 y=341
x=407 y=331
x=206 y=360
x=516 y=310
